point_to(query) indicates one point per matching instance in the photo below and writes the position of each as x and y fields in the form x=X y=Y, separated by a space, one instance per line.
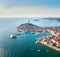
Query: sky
x=29 y=8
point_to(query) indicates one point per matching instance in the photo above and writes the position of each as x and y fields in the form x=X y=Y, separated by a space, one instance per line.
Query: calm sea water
x=24 y=45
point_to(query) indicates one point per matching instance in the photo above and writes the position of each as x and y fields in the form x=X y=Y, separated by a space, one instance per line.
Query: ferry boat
x=12 y=36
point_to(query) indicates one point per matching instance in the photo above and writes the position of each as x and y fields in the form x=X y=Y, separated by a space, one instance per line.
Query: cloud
x=29 y=12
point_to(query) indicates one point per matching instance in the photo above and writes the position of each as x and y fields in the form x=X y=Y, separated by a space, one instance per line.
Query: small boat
x=33 y=32
x=12 y=36
x=38 y=50
x=37 y=42
x=37 y=33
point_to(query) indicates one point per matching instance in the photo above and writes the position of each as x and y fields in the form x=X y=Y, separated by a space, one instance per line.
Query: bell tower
x=28 y=21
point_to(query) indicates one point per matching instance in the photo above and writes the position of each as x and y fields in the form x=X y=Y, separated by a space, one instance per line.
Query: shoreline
x=40 y=41
x=52 y=47
x=53 y=41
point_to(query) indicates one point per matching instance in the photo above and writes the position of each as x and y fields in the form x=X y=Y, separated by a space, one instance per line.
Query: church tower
x=28 y=21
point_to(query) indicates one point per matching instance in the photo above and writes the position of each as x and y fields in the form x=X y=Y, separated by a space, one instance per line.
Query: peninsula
x=29 y=27
x=51 y=41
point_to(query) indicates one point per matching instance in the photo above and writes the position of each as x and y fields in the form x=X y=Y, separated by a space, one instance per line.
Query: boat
x=37 y=33
x=33 y=32
x=12 y=36
x=38 y=50
x=37 y=42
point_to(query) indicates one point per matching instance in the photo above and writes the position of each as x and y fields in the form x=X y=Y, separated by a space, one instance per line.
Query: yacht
x=12 y=36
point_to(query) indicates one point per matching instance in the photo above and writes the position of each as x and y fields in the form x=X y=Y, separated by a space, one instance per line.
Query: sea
x=24 y=45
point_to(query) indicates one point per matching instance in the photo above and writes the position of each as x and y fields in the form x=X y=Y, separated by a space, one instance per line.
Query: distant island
x=57 y=19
